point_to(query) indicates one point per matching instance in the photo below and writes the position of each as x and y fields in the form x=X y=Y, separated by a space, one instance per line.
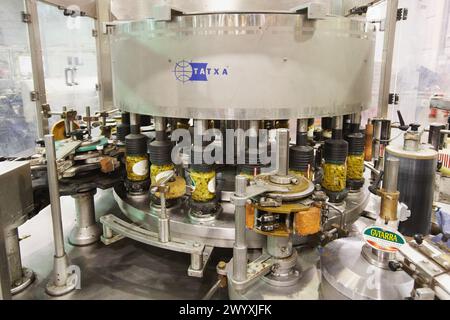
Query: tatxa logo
x=196 y=71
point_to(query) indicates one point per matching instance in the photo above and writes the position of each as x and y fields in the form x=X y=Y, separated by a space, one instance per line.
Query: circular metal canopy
x=243 y=66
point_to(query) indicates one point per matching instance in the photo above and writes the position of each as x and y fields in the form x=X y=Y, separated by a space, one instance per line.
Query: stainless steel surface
x=290 y=196
x=218 y=233
x=86 y=231
x=285 y=272
x=279 y=247
x=388 y=57
x=376 y=257
x=273 y=63
x=16 y=193
x=240 y=244
x=141 y=9
x=390 y=178
x=306 y=288
x=37 y=65
x=416 y=182
x=347 y=275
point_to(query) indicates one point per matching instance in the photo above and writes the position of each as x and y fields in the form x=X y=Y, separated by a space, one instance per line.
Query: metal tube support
x=338 y=123
x=390 y=180
x=240 y=244
x=356 y=119
x=389 y=193
x=160 y=124
x=107 y=232
x=89 y=122
x=254 y=128
x=61 y=283
x=53 y=184
x=201 y=126
x=163 y=222
x=283 y=151
x=196 y=261
x=160 y=128
x=302 y=132
x=135 y=119
x=387 y=60
x=302 y=125
x=86 y=231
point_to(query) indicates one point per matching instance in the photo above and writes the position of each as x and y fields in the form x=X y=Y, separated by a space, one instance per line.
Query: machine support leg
x=5 y=284
x=86 y=231
x=62 y=282
x=20 y=277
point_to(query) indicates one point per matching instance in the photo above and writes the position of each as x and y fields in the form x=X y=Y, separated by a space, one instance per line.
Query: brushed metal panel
x=278 y=66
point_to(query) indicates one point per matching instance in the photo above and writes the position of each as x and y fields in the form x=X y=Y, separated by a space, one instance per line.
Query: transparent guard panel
x=422 y=61
x=375 y=14
x=70 y=61
x=17 y=111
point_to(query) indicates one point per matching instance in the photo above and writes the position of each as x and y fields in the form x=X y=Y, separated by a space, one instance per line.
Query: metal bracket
x=394 y=98
x=313 y=10
x=107 y=28
x=26 y=17
x=402 y=14
x=255 y=270
x=46 y=111
x=205 y=259
x=115 y=229
x=164 y=12
x=34 y=96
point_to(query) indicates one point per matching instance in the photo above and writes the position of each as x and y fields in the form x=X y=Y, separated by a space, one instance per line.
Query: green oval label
x=383 y=239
